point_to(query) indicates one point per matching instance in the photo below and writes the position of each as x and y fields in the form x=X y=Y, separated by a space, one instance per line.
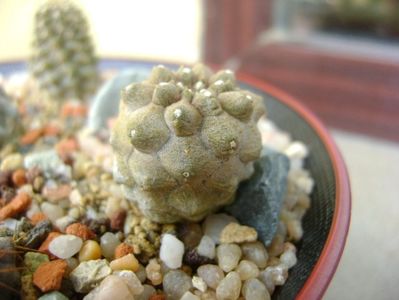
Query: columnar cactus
x=63 y=58
x=184 y=140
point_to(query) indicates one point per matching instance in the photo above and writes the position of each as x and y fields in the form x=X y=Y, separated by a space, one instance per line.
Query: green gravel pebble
x=53 y=296
x=33 y=260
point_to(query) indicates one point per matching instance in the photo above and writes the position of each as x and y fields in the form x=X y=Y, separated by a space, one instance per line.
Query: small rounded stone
x=90 y=250
x=148 y=291
x=176 y=283
x=255 y=252
x=214 y=224
x=211 y=274
x=255 y=290
x=229 y=288
x=207 y=247
x=131 y=280
x=171 y=252
x=189 y=296
x=228 y=256
x=247 y=269
x=127 y=262
x=109 y=242
x=153 y=272
x=65 y=246
x=52 y=211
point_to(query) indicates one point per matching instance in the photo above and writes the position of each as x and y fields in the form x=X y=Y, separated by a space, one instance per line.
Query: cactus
x=10 y=125
x=63 y=58
x=184 y=140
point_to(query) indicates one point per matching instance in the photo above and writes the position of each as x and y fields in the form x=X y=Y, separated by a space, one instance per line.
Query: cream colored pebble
x=127 y=262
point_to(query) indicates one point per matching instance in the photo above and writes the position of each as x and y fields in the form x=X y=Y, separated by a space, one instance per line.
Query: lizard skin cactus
x=63 y=58
x=184 y=140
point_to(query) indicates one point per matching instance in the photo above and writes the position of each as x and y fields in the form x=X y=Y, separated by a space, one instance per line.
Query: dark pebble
x=10 y=278
x=118 y=220
x=99 y=226
x=194 y=260
x=37 y=235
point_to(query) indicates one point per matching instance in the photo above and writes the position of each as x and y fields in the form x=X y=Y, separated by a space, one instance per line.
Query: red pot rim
x=326 y=265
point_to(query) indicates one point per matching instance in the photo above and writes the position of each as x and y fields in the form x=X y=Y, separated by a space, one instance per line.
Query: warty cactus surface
x=184 y=140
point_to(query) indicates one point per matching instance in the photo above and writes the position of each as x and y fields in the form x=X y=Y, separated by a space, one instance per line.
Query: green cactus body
x=63 y=59
x=184 y=140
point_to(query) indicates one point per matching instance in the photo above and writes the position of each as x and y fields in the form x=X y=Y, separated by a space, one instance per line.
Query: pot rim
x=316 y=284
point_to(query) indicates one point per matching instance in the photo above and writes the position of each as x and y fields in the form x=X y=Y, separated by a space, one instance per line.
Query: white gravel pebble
x=206 y=247
x=230 y=287
x=189 y=296
x=211 y=274
x=228 y=256
x=133 y=283
x=52 y=211
x=199 y=283
x=255 y=252
x=108 y=243
x=253 y=289
x=171 y=252
x=65 y=246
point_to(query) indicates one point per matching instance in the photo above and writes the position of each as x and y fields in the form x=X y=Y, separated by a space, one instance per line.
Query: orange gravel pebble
x=67 y=146
x=122 y=250
x=51 y=130
x=38 y=217
x=48 y=276
x=17 y=205
x=81 y=231
x=44 y=246
x=19 y=178
x=73 y=110
x=31 y=136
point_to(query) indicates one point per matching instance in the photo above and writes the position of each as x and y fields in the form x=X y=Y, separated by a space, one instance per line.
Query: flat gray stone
x=259 y=199
x=105 y=103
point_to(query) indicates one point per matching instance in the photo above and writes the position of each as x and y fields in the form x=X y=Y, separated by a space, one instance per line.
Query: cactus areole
x=184 y=140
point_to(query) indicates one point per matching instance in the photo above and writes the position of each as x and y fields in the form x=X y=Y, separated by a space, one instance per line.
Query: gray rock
x=37 y=235
x=8 y=117
x=89 y=274
x=259 y=199
x=8 y=259
x=105 y=103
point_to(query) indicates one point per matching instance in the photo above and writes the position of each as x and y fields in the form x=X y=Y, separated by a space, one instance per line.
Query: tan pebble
x=12 y=162
x=127 y=262
x=153 y=270
x=122 y=250
x=235 y=233
x=90 y=250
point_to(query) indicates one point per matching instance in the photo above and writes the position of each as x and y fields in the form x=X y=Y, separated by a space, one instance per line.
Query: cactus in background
x=184 y=140
x=63 y=59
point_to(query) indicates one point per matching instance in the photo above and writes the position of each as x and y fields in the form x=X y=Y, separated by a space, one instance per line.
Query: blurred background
x=339 y=57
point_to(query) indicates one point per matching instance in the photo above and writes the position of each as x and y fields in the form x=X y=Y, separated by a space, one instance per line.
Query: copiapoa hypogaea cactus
x=184 y=140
